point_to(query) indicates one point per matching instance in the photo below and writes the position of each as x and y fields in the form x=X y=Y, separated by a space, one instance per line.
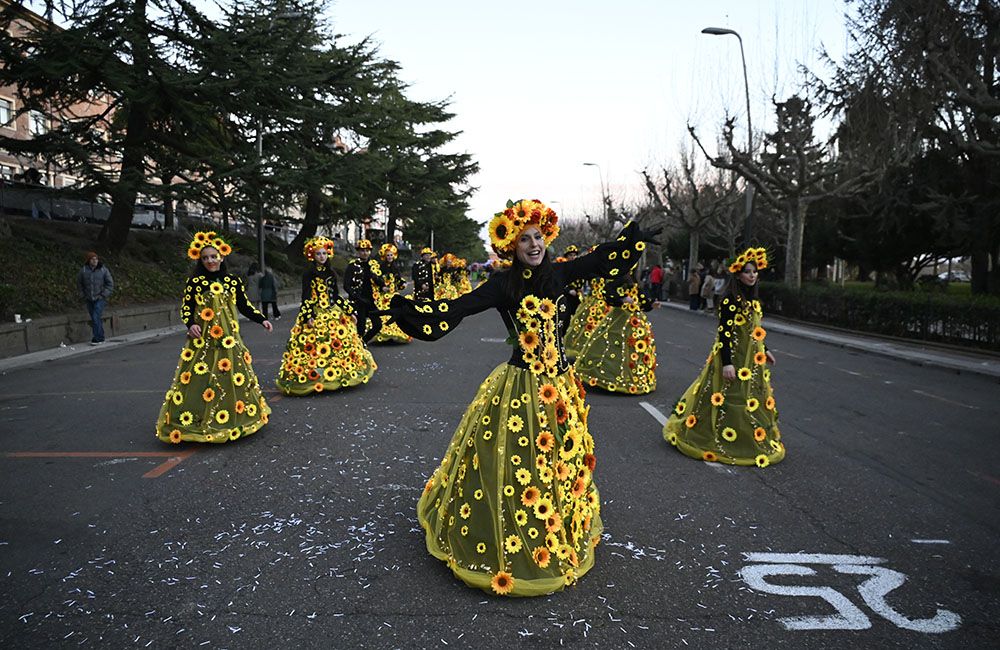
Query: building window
x=6 y=172
x=7 y=113
x=37 y=123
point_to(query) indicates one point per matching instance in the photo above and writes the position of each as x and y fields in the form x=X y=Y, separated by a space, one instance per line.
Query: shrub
x=927 y=316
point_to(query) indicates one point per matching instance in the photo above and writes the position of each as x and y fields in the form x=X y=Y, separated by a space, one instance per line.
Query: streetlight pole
x=748 y=223
x=604 y=195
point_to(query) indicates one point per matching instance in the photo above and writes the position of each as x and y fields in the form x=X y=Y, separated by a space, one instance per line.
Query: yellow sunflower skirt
x=325 y=357
x=620 y=354
x=512 y=508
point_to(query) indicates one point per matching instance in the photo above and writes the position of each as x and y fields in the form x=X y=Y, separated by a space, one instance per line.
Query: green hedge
x=957 y=320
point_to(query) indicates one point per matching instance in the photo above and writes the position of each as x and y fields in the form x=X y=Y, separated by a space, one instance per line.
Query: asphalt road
x=881 y=525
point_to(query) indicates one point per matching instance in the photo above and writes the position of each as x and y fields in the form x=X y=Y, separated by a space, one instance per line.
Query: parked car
x=148 y=216
x=955 y=276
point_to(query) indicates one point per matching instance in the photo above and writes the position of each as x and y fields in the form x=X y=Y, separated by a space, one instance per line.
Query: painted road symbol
x=873 y=591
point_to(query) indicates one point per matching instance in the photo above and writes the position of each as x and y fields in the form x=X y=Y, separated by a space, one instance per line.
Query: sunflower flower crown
x=756 y=256
x=426 y=250
x=207 y=238
x=572 y=248
x=385 y=249
x=506 y=226
x=314 y=244
x=363 y=244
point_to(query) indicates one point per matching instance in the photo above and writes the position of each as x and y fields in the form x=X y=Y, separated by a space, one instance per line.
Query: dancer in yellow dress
x=729 y=414
x=620 y=354
x=324 y=350
x=390 y=333
x=513 y=508
x=215 y=395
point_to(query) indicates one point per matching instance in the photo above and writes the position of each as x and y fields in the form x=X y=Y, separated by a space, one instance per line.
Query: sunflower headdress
x=572 y=248
x=755 y=256
x=314 y=244
x=507 y=225
x=363 y=244
x=387 y=248
x=207 y=238
x=426 y=250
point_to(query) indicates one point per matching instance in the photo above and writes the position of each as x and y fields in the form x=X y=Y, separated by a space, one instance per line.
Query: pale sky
x=541 y=87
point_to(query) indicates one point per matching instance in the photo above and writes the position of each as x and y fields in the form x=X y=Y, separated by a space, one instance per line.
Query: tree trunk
x=980 y=265
x=132 y=174
x=793 y=250
x=310 y=222
x=168 y=201
x=693 y=241
x=115 y=231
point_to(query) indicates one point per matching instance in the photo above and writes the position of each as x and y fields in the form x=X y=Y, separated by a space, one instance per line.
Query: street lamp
x=748 y=223
x=604 y=195
x=286 y=15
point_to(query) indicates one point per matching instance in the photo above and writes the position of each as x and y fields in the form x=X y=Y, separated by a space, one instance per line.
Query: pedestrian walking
x=512 y=508
x=253 y=284
x=694 y=287
x=708 y=290
x=96 y=285
x=728 y=414
x=324 y=351
x=268 y=286
x=656 y=282
x=215 y=396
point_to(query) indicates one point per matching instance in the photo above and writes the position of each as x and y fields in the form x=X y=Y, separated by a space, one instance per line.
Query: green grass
x=42 y=260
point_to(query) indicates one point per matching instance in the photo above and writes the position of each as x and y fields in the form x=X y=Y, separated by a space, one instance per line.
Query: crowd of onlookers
x=705 y=283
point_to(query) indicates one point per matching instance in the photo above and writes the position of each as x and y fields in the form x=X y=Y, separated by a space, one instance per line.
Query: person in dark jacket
x=362 y=277
x=268 y=285
x=95 y=284
x=423 y=275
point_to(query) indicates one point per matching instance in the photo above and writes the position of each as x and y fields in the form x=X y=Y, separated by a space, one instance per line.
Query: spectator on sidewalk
x=656 y=282
x=720 y=284
x=694 y=287
x=95 y=284
x=253 y=284
x=708 y=290
x=268 y=285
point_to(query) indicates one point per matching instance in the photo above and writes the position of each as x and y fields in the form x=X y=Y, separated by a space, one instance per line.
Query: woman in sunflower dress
x=215 y=395
x=728 y=414
x=394 y=283
x=512 y=507
x=324 y=350
x=588 y=315
x=464 y=284
x=619 y=355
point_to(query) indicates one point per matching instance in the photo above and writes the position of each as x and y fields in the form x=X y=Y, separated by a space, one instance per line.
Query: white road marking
x=881 y=581
x=655 y=412
x=850 y=372
x=945 y=399
x=789 y=354
x=930 y=541
x=811 y=558
x=848 y=616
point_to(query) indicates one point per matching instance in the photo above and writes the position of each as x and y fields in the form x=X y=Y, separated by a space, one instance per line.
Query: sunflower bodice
x=216 y=291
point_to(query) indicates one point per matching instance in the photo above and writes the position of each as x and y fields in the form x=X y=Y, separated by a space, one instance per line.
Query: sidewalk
x=80 y=349
x=922 y=355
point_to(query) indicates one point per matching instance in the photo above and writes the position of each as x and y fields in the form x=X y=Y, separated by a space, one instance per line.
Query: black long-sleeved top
x=423 y=273
x=360 y=279
x=316 y=282
x=535 y=323
x=217 y=282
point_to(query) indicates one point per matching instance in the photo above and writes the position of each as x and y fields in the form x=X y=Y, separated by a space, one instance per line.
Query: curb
x=914 y=353
x=82 y=349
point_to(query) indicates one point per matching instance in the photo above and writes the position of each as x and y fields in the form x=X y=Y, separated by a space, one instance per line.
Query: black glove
x=650 y=235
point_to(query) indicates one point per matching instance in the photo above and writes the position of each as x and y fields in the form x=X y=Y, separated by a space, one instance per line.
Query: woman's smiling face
x=530 y=249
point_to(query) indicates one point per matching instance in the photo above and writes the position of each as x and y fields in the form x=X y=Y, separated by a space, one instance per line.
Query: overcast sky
x=541 y=87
